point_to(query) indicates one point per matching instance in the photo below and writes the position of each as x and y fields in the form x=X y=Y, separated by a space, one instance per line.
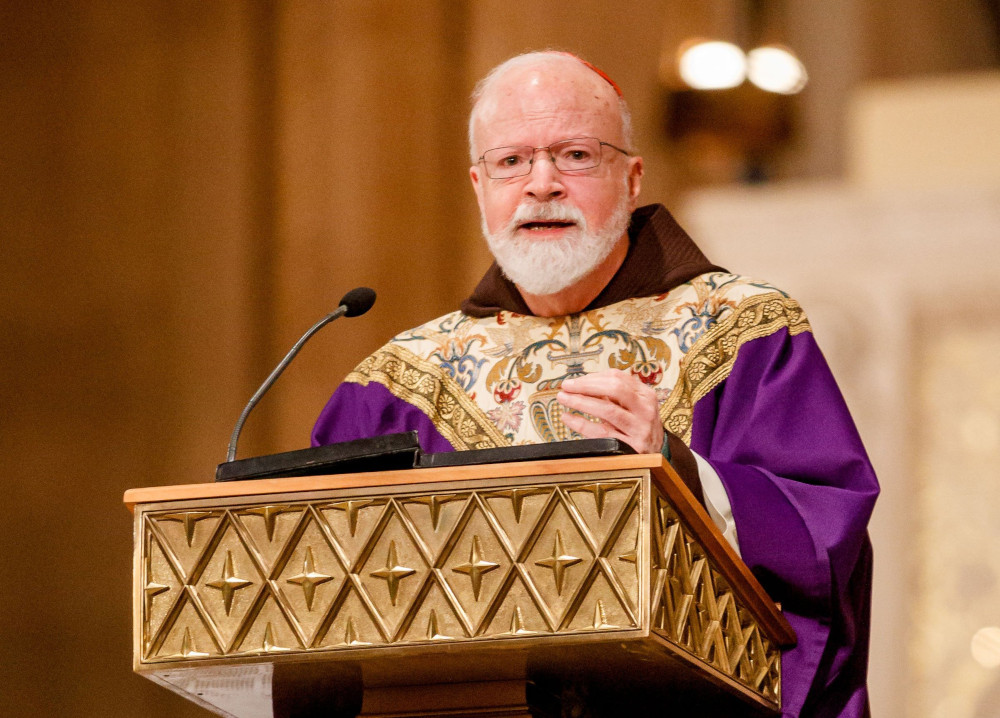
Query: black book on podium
x=402 y=451
x=379 y=453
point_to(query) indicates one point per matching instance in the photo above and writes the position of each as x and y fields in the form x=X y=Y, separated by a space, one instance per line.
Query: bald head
x=535 y=82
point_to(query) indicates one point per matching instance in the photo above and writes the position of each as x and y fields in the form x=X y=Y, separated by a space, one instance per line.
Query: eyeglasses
x=573 y=155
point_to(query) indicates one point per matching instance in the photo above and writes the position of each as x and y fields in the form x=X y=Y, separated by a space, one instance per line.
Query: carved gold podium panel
x=370 y=572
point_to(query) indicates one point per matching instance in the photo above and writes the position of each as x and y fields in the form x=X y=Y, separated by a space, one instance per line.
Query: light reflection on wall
x=956 y=661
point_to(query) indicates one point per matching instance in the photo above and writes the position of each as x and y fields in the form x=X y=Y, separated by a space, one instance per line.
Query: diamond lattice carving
x=161 y=587
x=392 y=571
x=351 y=523
x=600 y=607
x=187 y=534
x=352 y=624
x=227 y=582
x=309 y=578
x=622 y=557
x=599 y=505
x=268 y=631
x=433 y=517
x=498 y=563
x=475 y=566
x=516 y=611
x=268 y=529
x=186 y=636
x=435 y=617
x=353 y=572
x=694 y=606
x=558 y=561
x=517 y=510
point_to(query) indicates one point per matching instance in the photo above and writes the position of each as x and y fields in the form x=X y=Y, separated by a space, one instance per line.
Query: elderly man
x=595 y=307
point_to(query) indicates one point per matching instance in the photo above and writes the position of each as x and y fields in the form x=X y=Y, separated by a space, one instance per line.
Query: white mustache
x=546 y=212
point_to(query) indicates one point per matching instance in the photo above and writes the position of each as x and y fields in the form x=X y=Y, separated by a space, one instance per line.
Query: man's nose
x=545 y=181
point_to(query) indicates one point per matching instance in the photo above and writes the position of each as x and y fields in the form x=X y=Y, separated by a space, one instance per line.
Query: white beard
x=546 y=266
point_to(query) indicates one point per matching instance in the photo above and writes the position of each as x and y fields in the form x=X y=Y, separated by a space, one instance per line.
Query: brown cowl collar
x=660 y=256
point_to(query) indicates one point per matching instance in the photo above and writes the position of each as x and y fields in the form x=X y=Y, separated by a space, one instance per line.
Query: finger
x=636 y=398
x=592 y=429
x=603 y=383
x=617 y=386
x=607 y=411
x=598 y=430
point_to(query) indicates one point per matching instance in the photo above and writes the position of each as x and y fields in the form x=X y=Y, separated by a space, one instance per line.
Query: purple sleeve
x=802 y=489
x=359 y=412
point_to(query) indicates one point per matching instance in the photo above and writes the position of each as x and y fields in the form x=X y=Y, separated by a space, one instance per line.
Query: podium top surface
x=255 y=487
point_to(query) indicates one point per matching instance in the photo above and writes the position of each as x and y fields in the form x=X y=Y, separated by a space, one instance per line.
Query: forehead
x=540 y=105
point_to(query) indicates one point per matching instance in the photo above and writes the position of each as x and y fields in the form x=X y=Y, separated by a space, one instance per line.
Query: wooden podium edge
x=183 y=492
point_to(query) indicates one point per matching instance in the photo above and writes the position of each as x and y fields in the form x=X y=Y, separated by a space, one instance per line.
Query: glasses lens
x=577 y=154
x=504 y=162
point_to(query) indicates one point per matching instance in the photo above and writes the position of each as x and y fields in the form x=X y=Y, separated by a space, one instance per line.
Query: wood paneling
x=127 y=164
x=372 y=186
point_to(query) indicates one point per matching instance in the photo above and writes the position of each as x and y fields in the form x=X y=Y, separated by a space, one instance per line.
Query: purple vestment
x=780 y=437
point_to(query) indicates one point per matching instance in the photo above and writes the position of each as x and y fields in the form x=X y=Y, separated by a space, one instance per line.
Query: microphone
x=353 y=304
x=356 y=302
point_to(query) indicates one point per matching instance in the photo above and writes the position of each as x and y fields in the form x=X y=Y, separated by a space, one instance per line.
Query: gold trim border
x=422 y=384
x=710 y=360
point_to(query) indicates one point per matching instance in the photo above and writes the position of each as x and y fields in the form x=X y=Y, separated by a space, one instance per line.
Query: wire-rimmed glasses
x=571 y=155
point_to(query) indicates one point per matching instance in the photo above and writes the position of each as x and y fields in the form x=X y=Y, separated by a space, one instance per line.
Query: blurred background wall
x=185 y=187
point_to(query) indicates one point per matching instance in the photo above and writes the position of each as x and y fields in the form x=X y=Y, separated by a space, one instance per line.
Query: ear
x=477 y=184
x=634 y=177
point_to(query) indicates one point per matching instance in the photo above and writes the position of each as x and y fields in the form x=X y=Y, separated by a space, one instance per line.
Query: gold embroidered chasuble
x=492 y=381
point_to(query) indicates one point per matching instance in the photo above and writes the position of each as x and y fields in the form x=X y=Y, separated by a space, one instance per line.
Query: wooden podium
x=580 y=587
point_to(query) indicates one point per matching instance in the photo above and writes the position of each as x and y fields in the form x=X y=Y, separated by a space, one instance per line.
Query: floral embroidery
x=479 y=378
x=648 y=372
x=507 y=416
x=506 y=389
x=709 y=306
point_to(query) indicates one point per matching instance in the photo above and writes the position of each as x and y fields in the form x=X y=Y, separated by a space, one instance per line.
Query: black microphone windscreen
x=358 y=301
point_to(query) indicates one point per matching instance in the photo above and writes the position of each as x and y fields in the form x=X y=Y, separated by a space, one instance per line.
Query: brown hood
x=660 y=256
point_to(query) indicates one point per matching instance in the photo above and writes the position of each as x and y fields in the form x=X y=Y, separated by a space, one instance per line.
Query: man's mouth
x=543 y=225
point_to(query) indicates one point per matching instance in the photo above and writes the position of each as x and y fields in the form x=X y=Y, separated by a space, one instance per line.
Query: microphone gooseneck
x=353 y=304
